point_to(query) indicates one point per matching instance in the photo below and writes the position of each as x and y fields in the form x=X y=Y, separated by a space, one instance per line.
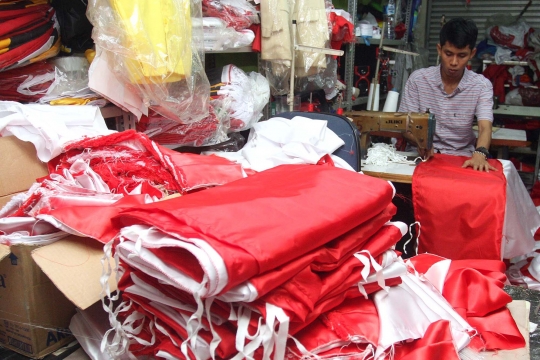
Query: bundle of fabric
x=156 y=53
x=208 y=131
x=237 y=14
x=242 y=96
x=218 y=36
x=436 y=304
x=279 y=141
x=29 y=33
x=127 y=159
x=483 y=215
x=202 y=273
x=27 y=84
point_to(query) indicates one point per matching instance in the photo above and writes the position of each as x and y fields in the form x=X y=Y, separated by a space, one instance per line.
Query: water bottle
x=390 y=32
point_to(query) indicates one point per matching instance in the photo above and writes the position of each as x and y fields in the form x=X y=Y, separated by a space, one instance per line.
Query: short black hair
x=460 y=33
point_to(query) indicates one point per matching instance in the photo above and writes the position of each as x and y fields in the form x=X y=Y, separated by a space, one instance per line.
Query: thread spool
x=391 y=102
x=373 y=97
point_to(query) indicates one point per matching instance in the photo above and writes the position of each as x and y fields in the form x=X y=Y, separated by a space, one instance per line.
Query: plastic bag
x=156 y=48
x=238 y=14
x=27 y=84
x=210 y=130
x=216 y=39
x=75 y=28
x=513 y=36
x=243 y=96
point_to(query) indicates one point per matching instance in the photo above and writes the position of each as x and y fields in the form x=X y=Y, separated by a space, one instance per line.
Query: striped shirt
x=454 y=113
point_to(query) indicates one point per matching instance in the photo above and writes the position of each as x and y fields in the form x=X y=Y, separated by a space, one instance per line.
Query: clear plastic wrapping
x=156 y=48
x=210 y=130
x=312 y=30
x=219 y=39
x=237 y=14
x=243 y=96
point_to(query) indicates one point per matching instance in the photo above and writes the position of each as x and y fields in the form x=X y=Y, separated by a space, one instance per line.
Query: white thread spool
x=371 y=99
x=391 y=102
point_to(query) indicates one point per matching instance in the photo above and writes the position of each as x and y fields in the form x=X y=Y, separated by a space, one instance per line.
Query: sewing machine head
x=419 y=126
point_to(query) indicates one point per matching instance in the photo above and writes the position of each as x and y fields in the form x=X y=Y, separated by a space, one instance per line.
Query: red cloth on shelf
x=460 y=210
x=498 y=75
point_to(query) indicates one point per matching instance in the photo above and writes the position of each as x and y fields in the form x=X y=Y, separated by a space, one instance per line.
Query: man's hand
x=424 y=153
x=478 y=162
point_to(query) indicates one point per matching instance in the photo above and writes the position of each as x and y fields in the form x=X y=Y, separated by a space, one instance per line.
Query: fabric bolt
x=473 y=206
x=325 y=258
x=297 y=188
x=454 y=113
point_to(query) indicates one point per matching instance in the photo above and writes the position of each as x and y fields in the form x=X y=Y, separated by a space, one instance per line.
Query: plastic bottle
x=389 y=32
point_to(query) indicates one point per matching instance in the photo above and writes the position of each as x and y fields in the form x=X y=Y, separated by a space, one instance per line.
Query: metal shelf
x=375 y=42
x=244 y=49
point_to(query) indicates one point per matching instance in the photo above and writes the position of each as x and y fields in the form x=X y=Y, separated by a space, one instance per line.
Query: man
x=454 y=95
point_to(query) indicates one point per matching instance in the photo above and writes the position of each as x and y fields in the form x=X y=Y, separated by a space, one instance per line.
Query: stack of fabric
x=227 y=273
x=202 y=273
x=27 y=84
x=29 y=32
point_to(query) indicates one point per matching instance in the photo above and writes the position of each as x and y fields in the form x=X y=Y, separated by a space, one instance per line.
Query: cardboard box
x=40 y=287
x=19 y=167
x=35 y=314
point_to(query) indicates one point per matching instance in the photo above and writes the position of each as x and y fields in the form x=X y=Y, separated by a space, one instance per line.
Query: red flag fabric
x=461 y=211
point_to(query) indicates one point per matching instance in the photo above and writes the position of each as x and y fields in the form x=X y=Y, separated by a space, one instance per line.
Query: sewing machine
x=421 y=126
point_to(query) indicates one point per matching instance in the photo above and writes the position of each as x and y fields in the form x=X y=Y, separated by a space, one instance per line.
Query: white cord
x=381 y=154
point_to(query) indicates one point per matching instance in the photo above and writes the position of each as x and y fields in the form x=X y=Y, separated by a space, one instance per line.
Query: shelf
x=514 y=110
x=375 y=42
x=511 y=62
x=244 y=49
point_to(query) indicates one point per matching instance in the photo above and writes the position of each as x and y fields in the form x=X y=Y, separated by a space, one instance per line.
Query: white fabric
x=279 y=141
x=436 y=274
x=406 y=311
x=49 y=128
x=134 y=251
x=521 y=219
x=103 y=80
x=25 y=226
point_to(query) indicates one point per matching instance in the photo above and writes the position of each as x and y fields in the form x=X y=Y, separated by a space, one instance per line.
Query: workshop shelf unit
x=520 y=113
x=348 y=102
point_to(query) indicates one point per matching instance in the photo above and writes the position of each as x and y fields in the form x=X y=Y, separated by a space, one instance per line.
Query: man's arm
x=478 y=161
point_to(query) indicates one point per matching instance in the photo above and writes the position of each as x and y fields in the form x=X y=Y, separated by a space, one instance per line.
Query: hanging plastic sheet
x=155 y=48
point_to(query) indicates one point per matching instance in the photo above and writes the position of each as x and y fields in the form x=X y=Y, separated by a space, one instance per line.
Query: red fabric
x=474 y=288
x=325 y=258
x=95 y=221
x=256 y=45
x=498 y=75
x=461 y=211
x=342 y=31
x=154 y=164
x=20 y=52
x=13 y=14
x=10 y=80
x=235 y=219
x=170 y=132
x=435 y=344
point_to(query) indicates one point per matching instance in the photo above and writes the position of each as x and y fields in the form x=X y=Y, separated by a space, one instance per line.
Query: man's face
x=454 y=60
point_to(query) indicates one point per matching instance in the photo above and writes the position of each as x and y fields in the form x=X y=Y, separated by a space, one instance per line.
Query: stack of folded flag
x=29 y=32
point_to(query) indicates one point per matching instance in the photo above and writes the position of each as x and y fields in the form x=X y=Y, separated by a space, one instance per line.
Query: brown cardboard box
x=19 y=167
x=35 y=312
